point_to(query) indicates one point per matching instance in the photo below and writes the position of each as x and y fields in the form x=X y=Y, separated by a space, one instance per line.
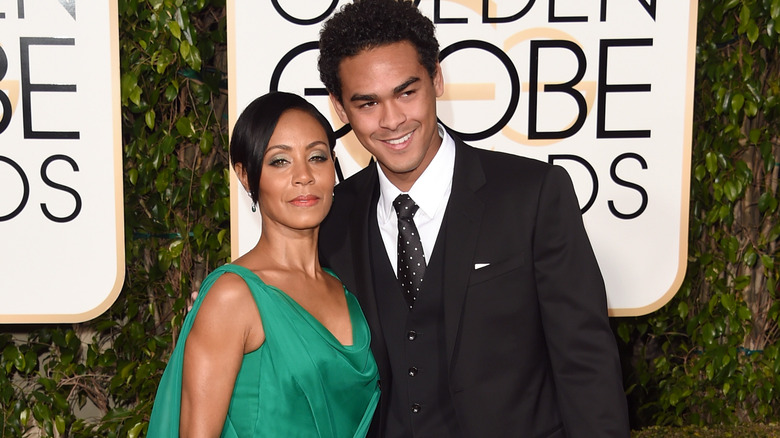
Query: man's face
x=389 y=99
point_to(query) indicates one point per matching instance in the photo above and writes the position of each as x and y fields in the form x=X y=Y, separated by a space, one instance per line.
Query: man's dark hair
x=256 y=125
x=368 y=24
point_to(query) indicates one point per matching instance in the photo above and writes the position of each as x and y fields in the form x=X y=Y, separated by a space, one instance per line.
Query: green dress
x=302 y=382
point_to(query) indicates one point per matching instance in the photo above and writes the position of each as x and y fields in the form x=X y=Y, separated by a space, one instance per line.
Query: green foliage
x=711 y=355
x=99 y=378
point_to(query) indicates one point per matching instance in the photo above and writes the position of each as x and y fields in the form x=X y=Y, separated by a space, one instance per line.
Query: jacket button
x=412 y=371
x=411 y=335
x=416 y=408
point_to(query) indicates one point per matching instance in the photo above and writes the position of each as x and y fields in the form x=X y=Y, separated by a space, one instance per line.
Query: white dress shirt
x=430 y=192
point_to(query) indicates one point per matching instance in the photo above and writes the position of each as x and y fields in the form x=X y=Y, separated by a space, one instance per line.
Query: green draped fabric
x=300 y=383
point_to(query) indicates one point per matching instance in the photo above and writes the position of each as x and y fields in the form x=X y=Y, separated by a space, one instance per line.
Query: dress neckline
x=351 y=302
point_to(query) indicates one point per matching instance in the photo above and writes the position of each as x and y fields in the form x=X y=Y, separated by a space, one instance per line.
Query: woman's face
x=298 y=174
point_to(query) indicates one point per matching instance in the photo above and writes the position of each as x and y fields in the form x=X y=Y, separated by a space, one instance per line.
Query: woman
x=274 y=345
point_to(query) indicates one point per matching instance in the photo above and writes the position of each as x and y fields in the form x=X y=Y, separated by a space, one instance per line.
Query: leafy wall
x=708 y=357
x=99 y=378
x=711 y=355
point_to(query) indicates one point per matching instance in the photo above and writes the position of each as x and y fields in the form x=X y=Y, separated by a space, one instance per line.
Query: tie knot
x=405 y=207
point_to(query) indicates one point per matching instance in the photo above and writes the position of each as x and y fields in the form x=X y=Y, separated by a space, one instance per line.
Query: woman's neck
x=288 y=250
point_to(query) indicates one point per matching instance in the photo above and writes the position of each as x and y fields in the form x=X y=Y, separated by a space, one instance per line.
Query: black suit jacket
x=528 y=341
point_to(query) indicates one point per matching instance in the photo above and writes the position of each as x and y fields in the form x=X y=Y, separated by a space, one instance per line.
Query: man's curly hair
x=368 y=24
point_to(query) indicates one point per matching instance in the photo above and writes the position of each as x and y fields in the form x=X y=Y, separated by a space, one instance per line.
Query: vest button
x=416 y=408
x=411 y=335
x=412 y=371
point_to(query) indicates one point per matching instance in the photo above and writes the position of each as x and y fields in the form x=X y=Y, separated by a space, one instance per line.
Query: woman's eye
x=278 y=161
x=319 y=158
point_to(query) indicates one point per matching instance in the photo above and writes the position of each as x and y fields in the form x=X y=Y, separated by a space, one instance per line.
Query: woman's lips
x=305 y=200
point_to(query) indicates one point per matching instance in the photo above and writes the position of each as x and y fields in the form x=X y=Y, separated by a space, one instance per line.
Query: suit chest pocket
x=496 y=270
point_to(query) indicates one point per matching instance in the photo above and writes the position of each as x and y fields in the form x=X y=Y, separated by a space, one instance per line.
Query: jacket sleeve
x=572 y=298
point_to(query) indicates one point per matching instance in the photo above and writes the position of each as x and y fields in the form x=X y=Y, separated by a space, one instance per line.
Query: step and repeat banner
x=61 y=204
x=601 y=88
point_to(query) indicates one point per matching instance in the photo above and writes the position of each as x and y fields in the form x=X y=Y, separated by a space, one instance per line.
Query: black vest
x=420 y=404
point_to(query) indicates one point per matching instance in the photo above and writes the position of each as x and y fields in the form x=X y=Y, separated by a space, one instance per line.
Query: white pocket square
x=480 y=265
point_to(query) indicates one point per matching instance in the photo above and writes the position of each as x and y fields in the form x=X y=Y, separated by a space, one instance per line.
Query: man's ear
x=438 y=81
x=243 y=178
x=339 y=108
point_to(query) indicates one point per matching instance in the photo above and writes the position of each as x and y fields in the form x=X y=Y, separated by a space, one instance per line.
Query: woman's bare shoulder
x=228 y=299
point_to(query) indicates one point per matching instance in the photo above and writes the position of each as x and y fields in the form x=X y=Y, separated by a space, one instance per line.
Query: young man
x=506 y=332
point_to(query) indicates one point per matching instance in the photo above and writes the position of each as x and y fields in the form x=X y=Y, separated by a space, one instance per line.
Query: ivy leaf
x=768 y=261
x=744 y=18
x=163 y=59
x=682 y=310
x=193 y=58
x=750 y=257
x=175 y=29
x=206 y=142
x=751 y=109
x=162 y=181
x=711 y=161
x=184 y=49
x=752 y=31
x=728 y=302
x=736 y=102
x=624 y=332
x=767 y=202
x=135 y=430
x=730 y=4
x=132 y=176
x=171 y=91
x=699 y=172
x=59 y=424
x=24 y=417
x=184 y=127
x=731 y=190
x=149 y=118
x=19 y=361
x=741 y=282
x=744 y=313
x=176 y=247
x=755 y=135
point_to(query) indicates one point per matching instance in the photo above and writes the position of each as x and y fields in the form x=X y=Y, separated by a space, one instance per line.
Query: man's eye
x=368 y=105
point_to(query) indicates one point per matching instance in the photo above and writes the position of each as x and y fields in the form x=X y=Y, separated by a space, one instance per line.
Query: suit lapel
x=462 y=220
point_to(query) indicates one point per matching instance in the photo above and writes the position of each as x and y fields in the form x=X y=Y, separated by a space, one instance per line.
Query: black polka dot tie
x=411 y=259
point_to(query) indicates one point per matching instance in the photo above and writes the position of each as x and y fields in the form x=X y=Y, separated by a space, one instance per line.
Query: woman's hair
x=368 y=24
x=255 y=126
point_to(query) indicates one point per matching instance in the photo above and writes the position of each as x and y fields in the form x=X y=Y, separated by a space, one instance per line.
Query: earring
x=254 y=206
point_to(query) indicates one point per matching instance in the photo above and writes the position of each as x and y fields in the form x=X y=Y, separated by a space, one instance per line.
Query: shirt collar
x=431 y=189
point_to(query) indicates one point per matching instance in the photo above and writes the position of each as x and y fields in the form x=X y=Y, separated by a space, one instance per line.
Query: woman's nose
x=302 y=174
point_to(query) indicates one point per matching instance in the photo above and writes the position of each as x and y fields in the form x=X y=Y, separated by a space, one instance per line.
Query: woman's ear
x=243 y=178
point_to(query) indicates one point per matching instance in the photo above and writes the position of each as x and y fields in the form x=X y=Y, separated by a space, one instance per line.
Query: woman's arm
x=226 y=327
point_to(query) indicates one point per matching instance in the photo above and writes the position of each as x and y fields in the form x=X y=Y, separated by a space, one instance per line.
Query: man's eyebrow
x=405 y=85
x=396 y=90
x=362 y=97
